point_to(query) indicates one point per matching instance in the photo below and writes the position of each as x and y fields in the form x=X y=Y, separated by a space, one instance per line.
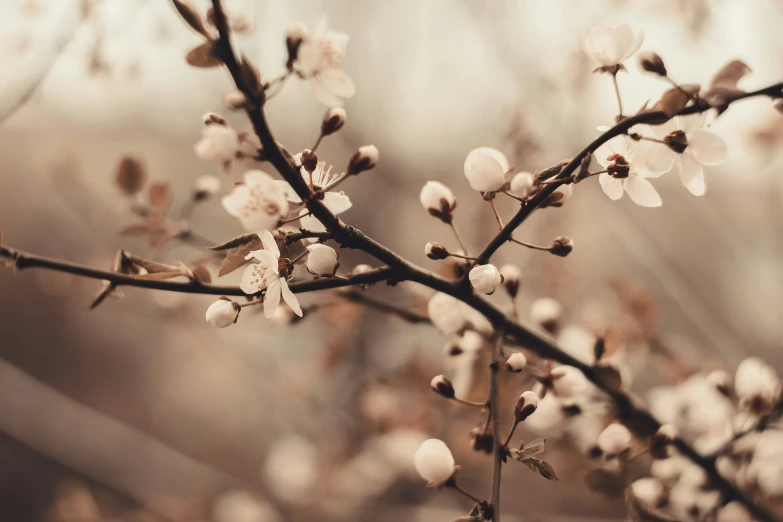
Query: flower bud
x=205 y=187
x=561 y=246
x=526 y=405
x=546 y=312
x=361 y=269
x=234 y=99
x=434 y=462
x=516 y=362
x=438 y=200
x=614 y=440
x=651 y=62
x=435 y=251
x=309 y=160
x=322 y=260
x=649 y=491
x=294 y=36
x=481 y=440
x=443 y=386
x=567 y=382
x=522 y=184
x=485 y=278
x=757 y=385
x=486 y=169
x=365 y=158
x=223 y=312
x=721 y=380
x=512 y=277
x=211 y=118
x=661 y=440
x=334 y=119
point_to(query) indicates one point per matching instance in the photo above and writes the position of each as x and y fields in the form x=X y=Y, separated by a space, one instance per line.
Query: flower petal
x=622 y=42
x=272 y=298
x=252 y=221
x=290 y=298
x=337 y=202
x=691 y=123
x=246 y=283
x=708 y=148
x=338 y=82
x=270 y=245
x=642 y=192
x=265 y=257
x=612 y=187
x=256 y=177
x=664 y=129
x=311 y=223
x=658 y=159
x=236 y=200
x=691 y=174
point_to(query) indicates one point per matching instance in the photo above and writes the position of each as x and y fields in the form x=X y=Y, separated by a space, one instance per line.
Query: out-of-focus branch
x=382 y=306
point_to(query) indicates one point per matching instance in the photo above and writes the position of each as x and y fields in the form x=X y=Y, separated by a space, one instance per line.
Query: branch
x=498 y=448
x=402 y=313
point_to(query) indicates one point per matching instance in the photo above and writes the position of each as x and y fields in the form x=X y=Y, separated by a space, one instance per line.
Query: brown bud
x=334 y=119
x=211 y=118
x=652 y=63
x=365 y=158
x=435 y=251
x=443 y=386
x=294 y=37
x=526 y=405
x=562 y=246
x=309 y=160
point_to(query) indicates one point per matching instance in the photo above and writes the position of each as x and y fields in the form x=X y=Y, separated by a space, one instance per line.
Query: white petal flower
x=269 y=275
x=615 y=439
x=568 y=382
x=259 y=202
x=486 y=169
x=320 y=60
x=206 y=186
x=485 y=278
x=546 y=311
x=322 y=260
x=516 y=362
x=218 y=143
x=757 y=385
x=336 y=202
x=609 y=46
x=449 y=315
x=434 y=461
x=437 y=199
x=222 y=313
x=522 y=184
x=627 y=173
x=648 y=491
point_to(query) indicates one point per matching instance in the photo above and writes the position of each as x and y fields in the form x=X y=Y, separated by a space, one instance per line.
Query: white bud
x=757 y=385
x=668 y=431
x=438 y=200
x=333 y=121
x=206 y=186
x=546 y=312
x=322 y=260
x=435 y=251
x=218 y=143
x=486 y=169
x=614 y=440
x=234 y=99
x=526 y=405
x=522 y=184
x=516 y=362
x=223 y=312
x=361 y=269
x=648 y=491
x=485 y=278
x=568 y=382
x=443 y=386
x=365 y=158
x=434 y=461
x=512 y=277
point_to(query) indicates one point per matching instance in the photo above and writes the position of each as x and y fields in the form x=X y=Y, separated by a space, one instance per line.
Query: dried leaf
x=203 y=56
x=533 y=448
x=724 y=84
x=160 y=196
x=541 y=467
x=242 y=240
x=202 y=275
x=160 y=276
x=184 y=270
x=149 y=265
x=672 y=102
x=236 y=257
x=190 y=13
x=130 y=175
x=608 y=377
x=105 y=292
x=143 y=228
x=601 y=481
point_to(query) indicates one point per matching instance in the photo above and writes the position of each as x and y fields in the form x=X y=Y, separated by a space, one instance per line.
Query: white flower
x=690 y=148
x=546 y=312
x=516 y=362
x=320 y=60
x=757 y=385
x=322 y=260
x=615 y=439
x=449 y=315
x=512 y=277
x=568 y=382
x=522 y=184
x=434 y=461
x=648 y=491
x=269 y=274
x=206 y=186
x=218 y=143
x=222 y=313
x=625 y=173
x=322 y=177
x=609 y=46
x=485 y=278
x=437 y=199
x=486 y=169
x=259 y=202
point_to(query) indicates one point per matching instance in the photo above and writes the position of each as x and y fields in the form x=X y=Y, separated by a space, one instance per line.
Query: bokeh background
x=139 y=410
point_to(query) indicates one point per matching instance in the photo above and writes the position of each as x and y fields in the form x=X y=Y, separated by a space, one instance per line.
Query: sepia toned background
x=139 y=410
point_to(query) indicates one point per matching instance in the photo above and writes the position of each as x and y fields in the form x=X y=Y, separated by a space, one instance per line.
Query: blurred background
x=140 y=411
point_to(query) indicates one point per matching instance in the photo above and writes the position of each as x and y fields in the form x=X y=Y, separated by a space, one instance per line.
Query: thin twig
x=498 y=449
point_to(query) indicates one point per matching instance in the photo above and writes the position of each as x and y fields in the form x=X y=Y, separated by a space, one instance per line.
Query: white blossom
x=522 y=184
x=757 y=385
x=222 y=313
x=322 y=177
x=434 y=461
x=320 y=60
x=615 y=439
x=610 y=46
x=206 y=186
x=449 y=315
x=269 y=275
x=486 y=169
x=218 y=143
x=291 y=469
x=568 y=382
x=649 y=491
x=259 y=202
x=526 y=405
x=322 y=260
x=485 y=278
x=626 y=173
x=690 y=148
x=437 y=199
x=512 y=277
x=546 y=311
x=516 y=362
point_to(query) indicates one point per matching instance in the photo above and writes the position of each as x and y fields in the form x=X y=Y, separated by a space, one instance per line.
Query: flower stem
x=494 y=411
x=529 y=245
x=497 y=215
x=459 y=239
x=460 y=489
x=617 y=94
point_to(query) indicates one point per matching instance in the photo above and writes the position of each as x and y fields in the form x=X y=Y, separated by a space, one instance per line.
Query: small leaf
x=190 y=13
x=608 y=377
x=143 y=228
x=672 y=102
x=160 y=276
x=242 y=240
x=149 y=265
x=236 y=257
x=541 y=467
x=532 y=448
x=184 y=270
x=601 y=481
x=160 y=196
x=724 y=84
x=202 y=275
x=130 y=175
x=203 y=56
